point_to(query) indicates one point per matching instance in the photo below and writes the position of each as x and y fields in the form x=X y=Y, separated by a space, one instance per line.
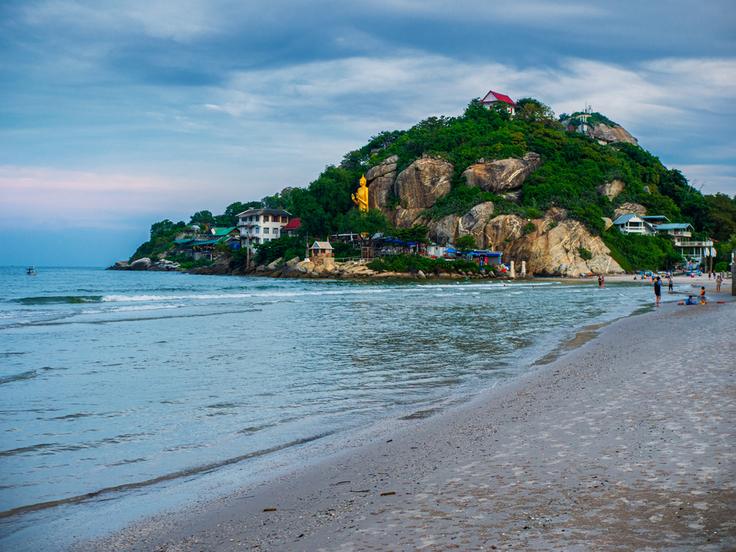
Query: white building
x=261 y=225
x=632 y=223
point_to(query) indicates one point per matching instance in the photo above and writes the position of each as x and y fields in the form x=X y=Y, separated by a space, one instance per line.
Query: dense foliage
x=635 y=252
x=415 y=263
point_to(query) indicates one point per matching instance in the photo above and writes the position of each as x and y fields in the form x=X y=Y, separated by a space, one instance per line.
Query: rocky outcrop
x=444 y=230
x=144 y=263
x=556 y=246
x=626 y=208
x=610 y=134
x=423 y=182
x=406 y=218
x=381 y=180
x=501 y=175
x=612 y=189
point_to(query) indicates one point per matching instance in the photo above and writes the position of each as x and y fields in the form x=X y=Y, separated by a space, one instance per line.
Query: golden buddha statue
x=360 y=197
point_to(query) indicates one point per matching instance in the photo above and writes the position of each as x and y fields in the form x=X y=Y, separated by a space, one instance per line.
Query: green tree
x=202 y=218
x=466 y=243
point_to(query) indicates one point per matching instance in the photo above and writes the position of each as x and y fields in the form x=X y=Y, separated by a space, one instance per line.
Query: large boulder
x=475 y=220
x=444 y=230
x=612 y=189
x=606 y=134
x=423 y=182
x=273 y=265
x=381 y=182
x=627 y=208
x=144 y=263
x=501 y=175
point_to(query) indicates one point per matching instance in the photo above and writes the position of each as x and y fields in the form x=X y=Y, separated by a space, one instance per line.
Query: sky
x=114 y=117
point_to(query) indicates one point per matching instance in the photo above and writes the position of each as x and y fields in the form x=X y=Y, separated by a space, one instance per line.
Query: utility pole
x=733 y=272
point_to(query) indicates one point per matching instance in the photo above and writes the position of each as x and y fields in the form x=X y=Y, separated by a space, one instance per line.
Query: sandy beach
x=625 y=442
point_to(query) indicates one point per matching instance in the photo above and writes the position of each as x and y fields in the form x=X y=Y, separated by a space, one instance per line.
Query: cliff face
x=553 y=245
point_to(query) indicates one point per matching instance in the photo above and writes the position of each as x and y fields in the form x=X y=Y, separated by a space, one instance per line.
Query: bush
x=528 y=228
x=585 y=254
x=722 y=266
x=285 y=247
x=414 y=263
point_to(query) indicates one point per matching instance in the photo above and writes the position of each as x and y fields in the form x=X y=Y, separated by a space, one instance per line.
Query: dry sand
x=624 y=443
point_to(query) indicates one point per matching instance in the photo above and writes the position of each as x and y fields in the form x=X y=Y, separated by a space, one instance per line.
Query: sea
x=128 y=394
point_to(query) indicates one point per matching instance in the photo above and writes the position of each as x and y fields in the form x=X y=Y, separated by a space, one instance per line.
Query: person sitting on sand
x=691 y=300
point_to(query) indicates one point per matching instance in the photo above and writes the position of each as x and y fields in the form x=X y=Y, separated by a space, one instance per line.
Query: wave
x=188 y=472
x=258 y=292
x=30 y=374
x=59 y=299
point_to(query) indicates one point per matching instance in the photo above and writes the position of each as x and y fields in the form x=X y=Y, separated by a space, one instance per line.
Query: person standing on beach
x=670 y=286
x=719 y=281
x=657 y=291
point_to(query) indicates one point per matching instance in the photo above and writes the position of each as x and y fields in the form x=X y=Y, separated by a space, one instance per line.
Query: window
x=258 y=230
x=266 y=230
x=275 y=231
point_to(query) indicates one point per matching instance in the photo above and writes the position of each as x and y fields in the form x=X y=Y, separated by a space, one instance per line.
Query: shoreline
x=343 y=499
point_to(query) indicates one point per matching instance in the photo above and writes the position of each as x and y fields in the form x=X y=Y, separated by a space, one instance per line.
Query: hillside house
x=497 y=99
x=676 y=229
x=632 y=223
x=258 y=226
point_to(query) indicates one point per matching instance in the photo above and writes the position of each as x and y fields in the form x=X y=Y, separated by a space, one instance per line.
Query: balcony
x=693 y=243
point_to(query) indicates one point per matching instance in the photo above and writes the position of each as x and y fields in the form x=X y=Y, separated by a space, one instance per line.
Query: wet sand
x=624 y=443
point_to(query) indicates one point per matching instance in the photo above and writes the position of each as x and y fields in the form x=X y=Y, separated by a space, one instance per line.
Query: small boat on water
x=31 y=271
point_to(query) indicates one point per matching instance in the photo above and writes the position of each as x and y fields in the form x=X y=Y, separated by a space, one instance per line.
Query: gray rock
x=423 y=182
x=144 y=263
x=503 y=174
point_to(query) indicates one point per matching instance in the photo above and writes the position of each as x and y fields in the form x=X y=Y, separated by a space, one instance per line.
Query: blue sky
x=112 y=118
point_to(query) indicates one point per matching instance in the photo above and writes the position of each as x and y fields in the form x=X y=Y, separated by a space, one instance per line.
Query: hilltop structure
x=496 y=98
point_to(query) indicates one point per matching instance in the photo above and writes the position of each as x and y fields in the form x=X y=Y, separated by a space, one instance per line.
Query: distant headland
x=507 y=188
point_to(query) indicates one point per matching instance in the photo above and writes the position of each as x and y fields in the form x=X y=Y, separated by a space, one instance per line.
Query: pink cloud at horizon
x=86 y=199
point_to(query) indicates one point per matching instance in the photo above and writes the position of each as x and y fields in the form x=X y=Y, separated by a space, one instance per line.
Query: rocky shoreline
x=296 y=268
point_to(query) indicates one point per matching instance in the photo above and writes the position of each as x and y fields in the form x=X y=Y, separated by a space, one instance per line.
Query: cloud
x=182 y=20
x=80 y=199
x=711 y=178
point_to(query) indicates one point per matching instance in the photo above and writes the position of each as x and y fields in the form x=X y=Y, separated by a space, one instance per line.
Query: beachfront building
x=695 y=251
x=258 y=226
x=493 y=99
x=631 y=223
x=320 y=250
x=676 y=229
x=484 y=257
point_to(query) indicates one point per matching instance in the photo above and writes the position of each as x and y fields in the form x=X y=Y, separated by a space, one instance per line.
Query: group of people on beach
x=702 y=300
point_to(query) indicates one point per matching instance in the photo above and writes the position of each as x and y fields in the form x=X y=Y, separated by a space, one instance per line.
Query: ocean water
x=125 y=393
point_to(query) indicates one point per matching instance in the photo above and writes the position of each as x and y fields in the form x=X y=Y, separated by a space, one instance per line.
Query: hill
x=525 y=185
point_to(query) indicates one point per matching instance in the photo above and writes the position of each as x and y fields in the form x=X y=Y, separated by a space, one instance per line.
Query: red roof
x=293 y=224
x=492 y=97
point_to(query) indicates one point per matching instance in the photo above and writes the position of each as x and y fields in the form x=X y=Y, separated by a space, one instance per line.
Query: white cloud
x=182 y=20
x=711 y=179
